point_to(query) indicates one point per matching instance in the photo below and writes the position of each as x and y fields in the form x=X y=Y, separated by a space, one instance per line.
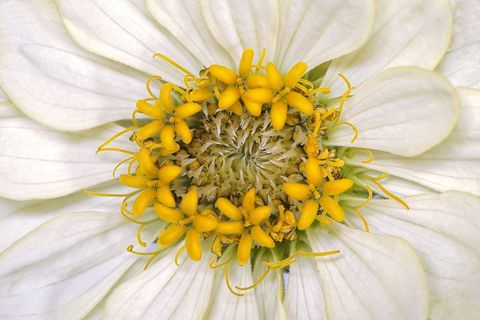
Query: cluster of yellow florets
x=166 y=128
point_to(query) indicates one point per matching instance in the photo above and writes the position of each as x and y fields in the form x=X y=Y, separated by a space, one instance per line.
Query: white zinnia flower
x=71 y=68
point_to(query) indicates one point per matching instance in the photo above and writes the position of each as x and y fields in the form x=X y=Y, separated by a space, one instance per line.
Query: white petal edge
x=304 y=298
x=373 y=276
x=461 y=64
x=17 y=218
x=318 y=31
x=54 y=81
x=38 y=163
x=185 y=21
x=165 y=289
x=124 y=31
x=269 y=292
x=406 y=33
x=62 y=269
x=452 y=165
x=238 y=25
x=402 y=110
x=8 y=110
x=443 y=229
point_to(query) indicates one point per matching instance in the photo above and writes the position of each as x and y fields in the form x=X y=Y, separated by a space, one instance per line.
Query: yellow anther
x=321 y=90
x=193 y=244
x=166 y=100
x=245 y=67
x=229 y=96
x=244 y=249
x=187 y=109
x=258 y=80
x=167 y=137
x=222 y=74
x=165 y=196
x=134 y=181
x=309 y=212
x=259 y=95
x=168 y=214
x=274 y=77
x=332 y=208
x=171 y=235
x=249 y=200
x=254 y=108
x=143 y=201
x=295 y=74
x=237 y=108
x=228 y=209
x=205 y=223
x=149 y=130
x=183 y=131
x=259 y=214
x=278 y=115
x=168 y=173
x=297 y=191
x=299 y=102
x=190 y=201
x=147 y=162
x=313 y=172
x=337 y=186
x=262 y=238
x=230 y=227
x=150 y=110
x=199 y=95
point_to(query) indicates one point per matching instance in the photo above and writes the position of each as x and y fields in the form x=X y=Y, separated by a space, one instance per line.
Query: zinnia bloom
x=271 y=159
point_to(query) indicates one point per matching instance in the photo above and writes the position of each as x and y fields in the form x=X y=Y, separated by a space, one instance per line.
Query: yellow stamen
x=295 y=74
x=337 y=186
x=223 y=74
x=177 y=255
x=299 y=102
x=193 y=244
x=245 y=67
x=244 y=249
x=149 y=81
x=256 y=283
x=230 y=227
x=309 y=212
x=377 y=180
x=173 y=63
x=332 y=208
x=228 y=209
x=262 y=238
x=297 y=191
x=259 y=214
x=227 y=281
x=361 y=205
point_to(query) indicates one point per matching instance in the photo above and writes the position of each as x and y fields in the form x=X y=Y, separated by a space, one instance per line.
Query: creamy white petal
x=18 y=218
x=318 y=31
x=224 y=304
x=123 y=31
x=37 y=162
x=406 y=33
x=403 y=110
x=304 y=298
x=165 y=290
x=269 y=292
x=461 y=64
x=452 y=165
x=54 y=81
x=443 y=229
x=238 y=25
x=184 y=20
x=65 y=267
x=7 y=109
x=373 y=276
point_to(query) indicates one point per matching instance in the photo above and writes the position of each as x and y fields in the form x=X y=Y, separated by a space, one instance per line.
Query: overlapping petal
x=37 y=162
x=373 y=276
x=443 y=229
x=406 y=33
x=54 y=81
x=403 y=110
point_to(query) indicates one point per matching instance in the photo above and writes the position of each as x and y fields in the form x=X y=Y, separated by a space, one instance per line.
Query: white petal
x=304 y=298
x=7 y=109
x=224 y=304
x=238 y=25
x=184 y=20
x=452 y=165
x=54 y=81
x=406 y=33
x=461 y=64
x=17 y=218
x=269 y=292
x=37 y=162
x=373 y=277
x=165 y=289
x=124 y=32
x=65 y=267
x=403 y=110
x=318 y=31
x=443 y=229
